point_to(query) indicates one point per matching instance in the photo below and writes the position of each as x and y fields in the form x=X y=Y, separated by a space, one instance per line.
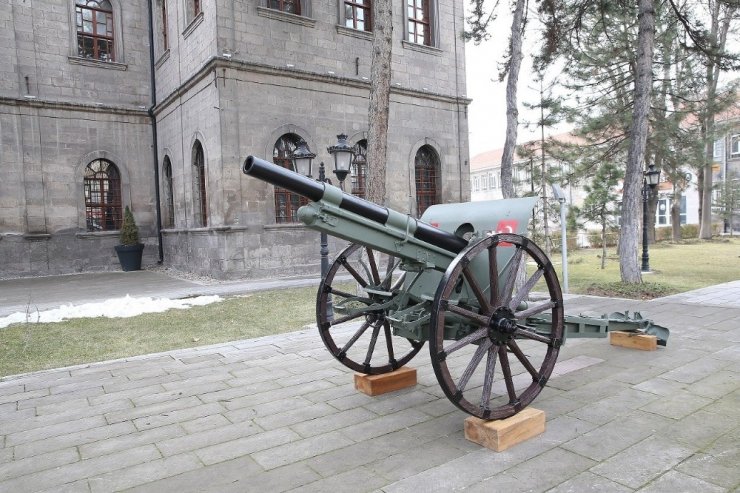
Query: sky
x=112 y=308
x=487 y=112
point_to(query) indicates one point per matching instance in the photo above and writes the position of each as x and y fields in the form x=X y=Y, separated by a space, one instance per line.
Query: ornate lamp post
x=650 y=179
x=302 y=159
x=342 y=153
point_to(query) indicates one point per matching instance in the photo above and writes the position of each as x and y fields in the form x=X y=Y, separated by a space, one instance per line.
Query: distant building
x=79 y=112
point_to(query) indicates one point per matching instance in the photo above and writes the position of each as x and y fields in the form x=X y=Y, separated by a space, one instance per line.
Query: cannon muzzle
x=316 y=191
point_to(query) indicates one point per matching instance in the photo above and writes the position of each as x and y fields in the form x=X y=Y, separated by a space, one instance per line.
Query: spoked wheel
x=351 y=309
x=496 y=317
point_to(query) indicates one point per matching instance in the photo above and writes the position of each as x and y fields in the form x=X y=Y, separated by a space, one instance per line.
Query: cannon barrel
x=314 y=191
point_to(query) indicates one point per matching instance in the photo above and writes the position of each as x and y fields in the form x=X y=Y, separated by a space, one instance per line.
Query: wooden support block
x=501 y=434
x=633 y=340
x=373 y=385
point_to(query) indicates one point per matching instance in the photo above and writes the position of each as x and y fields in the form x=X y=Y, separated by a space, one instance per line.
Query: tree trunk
x=380 y=89
x=512 y=112
x=718 y=39
x=603 y=241
x=676 y=214
x=631 y=197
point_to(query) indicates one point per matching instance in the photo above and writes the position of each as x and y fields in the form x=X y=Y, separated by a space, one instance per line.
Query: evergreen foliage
x=129 y=231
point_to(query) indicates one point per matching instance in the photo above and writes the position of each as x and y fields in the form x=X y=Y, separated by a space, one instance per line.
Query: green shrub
x=129 y=230
x=663 y=233
x=689 y=231
x=612 y=237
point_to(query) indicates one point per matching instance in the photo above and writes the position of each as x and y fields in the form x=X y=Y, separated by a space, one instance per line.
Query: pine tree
x=129 y=235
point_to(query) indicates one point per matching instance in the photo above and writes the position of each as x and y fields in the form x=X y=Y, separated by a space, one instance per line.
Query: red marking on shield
x=506 y=226
x=436 y=225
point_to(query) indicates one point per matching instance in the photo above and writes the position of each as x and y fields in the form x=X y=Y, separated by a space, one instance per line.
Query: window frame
x=358 y=169
x=199 y=185
x=428 y=183
x=168 y=193
x=355 y=6
x=109 y=37
x=432 y=41
x=109 y=208
x=282 y=152
x=735 y=145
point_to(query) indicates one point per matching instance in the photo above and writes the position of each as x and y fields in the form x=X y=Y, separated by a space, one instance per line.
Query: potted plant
x=130 y=250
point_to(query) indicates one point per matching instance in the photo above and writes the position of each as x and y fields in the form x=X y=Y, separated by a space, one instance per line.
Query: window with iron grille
x=200 y=204
x=417 y=12
x=169 y=212
x=359 y=168
x=95 y=29
x=286 y=202
x=102 y=188
x=289 y=6
x=427 y=169
x=357 y=15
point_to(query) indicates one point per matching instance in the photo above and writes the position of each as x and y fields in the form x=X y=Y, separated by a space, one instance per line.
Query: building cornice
x=220 y=62
x=49 y=104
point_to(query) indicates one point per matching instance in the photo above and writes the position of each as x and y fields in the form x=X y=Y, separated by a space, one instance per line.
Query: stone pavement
x=278 y=414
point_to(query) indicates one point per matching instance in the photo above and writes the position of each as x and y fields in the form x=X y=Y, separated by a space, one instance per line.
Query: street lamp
x=342 y=153
x=650 y=179
x=302 y=158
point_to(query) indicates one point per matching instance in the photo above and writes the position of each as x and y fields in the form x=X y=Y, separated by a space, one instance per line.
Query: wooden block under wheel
x=501 y=434
x=373 y=385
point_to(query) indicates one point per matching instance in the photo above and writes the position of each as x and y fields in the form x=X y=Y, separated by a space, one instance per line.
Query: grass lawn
x=676 y=267
x=29 y=347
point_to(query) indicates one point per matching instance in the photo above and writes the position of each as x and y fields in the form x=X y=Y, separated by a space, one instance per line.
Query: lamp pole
x=650 y=179
x=324 y=240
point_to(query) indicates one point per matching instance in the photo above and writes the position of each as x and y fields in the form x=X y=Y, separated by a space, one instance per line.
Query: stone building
x=95 y=117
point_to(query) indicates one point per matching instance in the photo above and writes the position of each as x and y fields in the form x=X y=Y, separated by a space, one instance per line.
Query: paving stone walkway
x=278 y=414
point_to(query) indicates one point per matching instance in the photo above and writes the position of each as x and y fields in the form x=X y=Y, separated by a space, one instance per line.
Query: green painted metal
x=589 y=326
x=424 y=263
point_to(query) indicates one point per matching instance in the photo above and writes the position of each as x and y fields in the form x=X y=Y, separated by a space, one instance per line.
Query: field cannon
x=463 y=277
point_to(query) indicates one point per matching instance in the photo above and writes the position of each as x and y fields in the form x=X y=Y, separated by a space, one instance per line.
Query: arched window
x=168 y=199
x=163 y=35
x=427 y=168
x=359 y=168
x=95 y=29
x=102 y=186
x=286 y=203
x=200 y=205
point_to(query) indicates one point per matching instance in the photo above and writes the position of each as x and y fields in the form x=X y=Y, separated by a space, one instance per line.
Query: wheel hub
x=501 y=326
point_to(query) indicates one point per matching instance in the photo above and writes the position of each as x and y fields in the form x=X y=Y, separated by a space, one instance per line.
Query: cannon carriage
x=449 y=278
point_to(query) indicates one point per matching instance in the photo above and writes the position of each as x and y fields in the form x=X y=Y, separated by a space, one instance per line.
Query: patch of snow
x=112 y=308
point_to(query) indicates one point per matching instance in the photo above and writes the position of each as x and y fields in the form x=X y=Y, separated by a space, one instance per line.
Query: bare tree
x=380 y=89
x=629 y=232
x=511 y=71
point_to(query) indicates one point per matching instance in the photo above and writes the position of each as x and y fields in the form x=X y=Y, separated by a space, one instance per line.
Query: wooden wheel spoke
x=472 y=337
x=355 y=336
x=477 y=291
x=389 y=342
x=373 y=265
x=488 y=378
x=535 y=309
x=523 y=360
x=465 y=377
x=371 y=347
x=511 y=276
x=493 y=274
x=360 y=280
x=478 y=318
x=525 y=290
x=347 y=318
x=506 y=370
x=528 y=333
